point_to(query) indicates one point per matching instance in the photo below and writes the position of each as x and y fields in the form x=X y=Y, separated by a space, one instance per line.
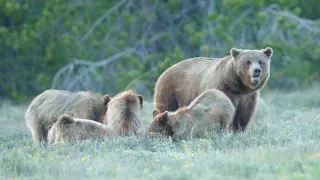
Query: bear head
x=252 y=66
x=66 y=118
x=161 y=123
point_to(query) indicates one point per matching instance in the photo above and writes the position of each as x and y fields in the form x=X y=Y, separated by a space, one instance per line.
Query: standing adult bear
x=240 y=76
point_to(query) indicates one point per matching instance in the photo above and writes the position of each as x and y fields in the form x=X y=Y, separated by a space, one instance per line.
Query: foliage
x=105 y=46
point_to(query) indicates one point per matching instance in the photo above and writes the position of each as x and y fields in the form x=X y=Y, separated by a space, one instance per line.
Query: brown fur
x=211 y=106
x=233 y=75
x=68 y=129
x=47 y=107
x=124 y=113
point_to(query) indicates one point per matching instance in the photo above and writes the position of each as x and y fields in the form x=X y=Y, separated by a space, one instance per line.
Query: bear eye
x=260 y=62
x=248 y=62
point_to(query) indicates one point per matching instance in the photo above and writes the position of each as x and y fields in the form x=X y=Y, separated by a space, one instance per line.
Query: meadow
x=283 y=142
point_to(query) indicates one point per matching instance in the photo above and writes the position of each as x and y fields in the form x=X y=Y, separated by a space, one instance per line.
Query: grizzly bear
x=211 y=106
x=240 y=76
x=47 y=107
x=69 y=129
x=124 y=113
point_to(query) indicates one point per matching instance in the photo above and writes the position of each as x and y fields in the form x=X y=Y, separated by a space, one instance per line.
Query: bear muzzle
x=255 y=81
x=255 y=76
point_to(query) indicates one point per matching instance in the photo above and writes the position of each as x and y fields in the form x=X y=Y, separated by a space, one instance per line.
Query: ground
x=283 y=145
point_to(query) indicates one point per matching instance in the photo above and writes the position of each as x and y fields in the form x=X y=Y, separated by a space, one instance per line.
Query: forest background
x=110 y=46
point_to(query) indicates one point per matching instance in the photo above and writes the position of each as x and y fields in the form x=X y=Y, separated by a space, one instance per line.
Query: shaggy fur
x=70 y=130
x=234 y=75
x=47 y=107
x=124 y=113
x=211 y=106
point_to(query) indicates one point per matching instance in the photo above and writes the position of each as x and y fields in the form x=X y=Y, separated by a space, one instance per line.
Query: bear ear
x=164 y=118
x=106 y=99
x=66 y=119
x=140 y=100
x=68 y=113
x=235 y=52
x=268 y=52
x=155 y=112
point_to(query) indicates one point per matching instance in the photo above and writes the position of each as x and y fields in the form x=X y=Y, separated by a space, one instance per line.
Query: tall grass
x=283 y=142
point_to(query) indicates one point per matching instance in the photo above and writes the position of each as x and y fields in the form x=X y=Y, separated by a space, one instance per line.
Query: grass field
x=282 y=144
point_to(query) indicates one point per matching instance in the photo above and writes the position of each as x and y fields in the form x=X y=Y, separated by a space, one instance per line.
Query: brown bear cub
x=211 y=106
x=240 y=76
x=124 y=113
x=47 y=107
x=69 y=129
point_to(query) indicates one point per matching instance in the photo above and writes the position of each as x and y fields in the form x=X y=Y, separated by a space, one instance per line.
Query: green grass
x=281 y=144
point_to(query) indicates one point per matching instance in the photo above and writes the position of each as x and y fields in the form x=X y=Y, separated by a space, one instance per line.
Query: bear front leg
x=165 y=101
x=245 y=111
x=39 y=134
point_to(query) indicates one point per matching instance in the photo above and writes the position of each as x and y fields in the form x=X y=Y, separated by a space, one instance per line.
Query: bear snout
x=256 y=72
